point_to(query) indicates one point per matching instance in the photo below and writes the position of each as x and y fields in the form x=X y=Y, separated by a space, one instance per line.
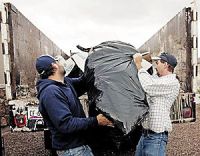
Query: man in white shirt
x=161 y=91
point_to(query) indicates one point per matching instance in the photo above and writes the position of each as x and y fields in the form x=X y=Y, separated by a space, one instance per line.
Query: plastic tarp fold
x=115 y=89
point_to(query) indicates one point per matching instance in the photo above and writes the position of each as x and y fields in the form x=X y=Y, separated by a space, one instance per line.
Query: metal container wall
x=2 y=82
x=21 y=43
x=175 y=38
x=26 y=43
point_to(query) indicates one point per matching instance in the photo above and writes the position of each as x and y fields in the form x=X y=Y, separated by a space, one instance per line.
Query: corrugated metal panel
x=27 y=42
x=175 y=38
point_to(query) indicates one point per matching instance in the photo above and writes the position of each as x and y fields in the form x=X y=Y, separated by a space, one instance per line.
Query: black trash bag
x=106 y=141
x=115 y=91
x=114 y=85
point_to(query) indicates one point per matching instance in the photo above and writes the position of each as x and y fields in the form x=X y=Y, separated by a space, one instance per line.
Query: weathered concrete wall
x=175 y=38
x=2 y=82
x=27 y=43
x=24 y=43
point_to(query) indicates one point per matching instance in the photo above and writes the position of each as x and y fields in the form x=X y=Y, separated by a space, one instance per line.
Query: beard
x=157 y=73
x=64 y=72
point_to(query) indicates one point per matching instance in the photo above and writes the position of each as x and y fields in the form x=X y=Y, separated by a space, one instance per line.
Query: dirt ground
x=183 y=141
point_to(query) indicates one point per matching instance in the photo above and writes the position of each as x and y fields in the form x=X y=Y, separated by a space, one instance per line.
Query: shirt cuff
x=142 y=70
x=93 y=121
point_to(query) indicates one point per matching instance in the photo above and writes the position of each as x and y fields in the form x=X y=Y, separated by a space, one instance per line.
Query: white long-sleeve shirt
x=161 y=93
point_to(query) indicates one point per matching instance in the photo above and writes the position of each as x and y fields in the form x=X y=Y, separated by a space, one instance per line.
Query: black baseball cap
x=170 y=59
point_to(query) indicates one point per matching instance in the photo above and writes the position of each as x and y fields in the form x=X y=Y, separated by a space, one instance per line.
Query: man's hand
x=103 y=121
x=147 y=57
x=138 y=60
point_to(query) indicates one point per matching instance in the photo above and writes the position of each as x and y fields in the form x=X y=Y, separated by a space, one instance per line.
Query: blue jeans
x=84 y=150
x=152 y=144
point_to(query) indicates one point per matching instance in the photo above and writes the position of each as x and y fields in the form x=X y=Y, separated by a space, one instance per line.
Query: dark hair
x=170 y=68
x=50 y=71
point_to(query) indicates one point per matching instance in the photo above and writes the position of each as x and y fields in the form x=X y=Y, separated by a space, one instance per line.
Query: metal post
x=194 y=36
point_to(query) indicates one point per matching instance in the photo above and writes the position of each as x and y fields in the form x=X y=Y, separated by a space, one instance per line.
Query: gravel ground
x=24 y=144
x=183 y=141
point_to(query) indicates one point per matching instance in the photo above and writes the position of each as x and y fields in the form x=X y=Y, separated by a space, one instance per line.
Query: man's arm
x=151 y=85
x=79 y=84
x=155 y=86
x=57 y=108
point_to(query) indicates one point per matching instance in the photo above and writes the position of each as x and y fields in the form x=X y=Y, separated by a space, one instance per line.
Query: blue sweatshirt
x=63 y=113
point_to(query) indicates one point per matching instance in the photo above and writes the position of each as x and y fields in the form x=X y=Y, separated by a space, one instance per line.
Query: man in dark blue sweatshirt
x=62 y=110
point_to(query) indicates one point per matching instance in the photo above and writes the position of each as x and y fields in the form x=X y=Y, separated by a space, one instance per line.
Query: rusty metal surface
x=27 y=43
x=175 y=38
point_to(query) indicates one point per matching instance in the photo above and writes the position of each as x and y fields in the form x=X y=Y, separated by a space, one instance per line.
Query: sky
x=89 y=22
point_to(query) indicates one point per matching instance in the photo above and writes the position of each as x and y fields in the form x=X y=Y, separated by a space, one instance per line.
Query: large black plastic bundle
x=115 y=91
